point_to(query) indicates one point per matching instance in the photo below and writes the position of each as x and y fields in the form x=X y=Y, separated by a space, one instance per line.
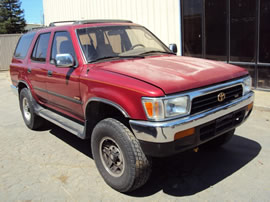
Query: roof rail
x=36 y=28
x=101 y=21
x=52 y=24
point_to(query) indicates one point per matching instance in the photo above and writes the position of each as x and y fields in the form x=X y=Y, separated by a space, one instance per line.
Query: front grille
x=221 y=124
x=210 y=100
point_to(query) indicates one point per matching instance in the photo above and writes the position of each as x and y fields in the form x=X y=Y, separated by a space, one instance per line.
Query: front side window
x=40 y=50
x=118 y=41
x=62 y=44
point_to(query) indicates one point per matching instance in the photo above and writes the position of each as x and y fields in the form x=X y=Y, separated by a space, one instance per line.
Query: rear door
x=63 y=83
x=37 y=67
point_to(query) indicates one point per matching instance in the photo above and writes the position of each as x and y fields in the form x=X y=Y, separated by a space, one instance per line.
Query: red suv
x=115 y=82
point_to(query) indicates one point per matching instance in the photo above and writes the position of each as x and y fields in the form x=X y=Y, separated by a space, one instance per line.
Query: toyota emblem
x=221 y=97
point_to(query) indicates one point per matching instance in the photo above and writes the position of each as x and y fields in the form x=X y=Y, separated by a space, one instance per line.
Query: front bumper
x=158 y=138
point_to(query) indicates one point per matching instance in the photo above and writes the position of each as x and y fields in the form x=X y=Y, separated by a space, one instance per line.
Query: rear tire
x=118 y=156
x=31 y=120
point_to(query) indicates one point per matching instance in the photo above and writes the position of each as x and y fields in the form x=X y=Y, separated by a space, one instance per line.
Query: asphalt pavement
x=53 y=165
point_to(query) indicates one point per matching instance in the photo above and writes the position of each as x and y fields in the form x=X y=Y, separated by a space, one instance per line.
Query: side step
x=63 y=122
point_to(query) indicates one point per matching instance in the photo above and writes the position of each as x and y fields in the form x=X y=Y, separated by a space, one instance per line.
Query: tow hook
x=196 y=149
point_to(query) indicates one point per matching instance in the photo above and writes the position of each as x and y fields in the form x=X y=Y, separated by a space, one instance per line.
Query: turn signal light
x=154 y=109
x=249 y=107
x=184 y=133
x=149 y=108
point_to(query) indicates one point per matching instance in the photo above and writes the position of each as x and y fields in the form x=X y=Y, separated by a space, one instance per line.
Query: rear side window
x=40 y=50
x=23 y=45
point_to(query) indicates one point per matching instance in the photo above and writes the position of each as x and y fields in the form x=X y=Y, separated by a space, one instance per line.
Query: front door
x=63 y=83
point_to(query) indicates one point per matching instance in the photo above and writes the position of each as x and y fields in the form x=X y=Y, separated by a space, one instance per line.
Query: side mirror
x=173 y=48
x=64 y=60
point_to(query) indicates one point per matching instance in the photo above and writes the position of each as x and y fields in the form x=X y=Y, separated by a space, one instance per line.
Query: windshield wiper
x=155 y=51
x=117 y=57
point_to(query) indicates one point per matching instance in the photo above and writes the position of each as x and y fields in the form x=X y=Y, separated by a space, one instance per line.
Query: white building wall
x=162 y=17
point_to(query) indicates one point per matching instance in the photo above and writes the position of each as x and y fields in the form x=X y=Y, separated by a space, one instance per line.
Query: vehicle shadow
x=79 y=144
x=187 y=173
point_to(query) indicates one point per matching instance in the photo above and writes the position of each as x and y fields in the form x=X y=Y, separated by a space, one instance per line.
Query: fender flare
x=24 y=82
x=115 y=105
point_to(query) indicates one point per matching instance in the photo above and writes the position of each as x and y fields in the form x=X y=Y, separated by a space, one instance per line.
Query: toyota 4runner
x=116 y=83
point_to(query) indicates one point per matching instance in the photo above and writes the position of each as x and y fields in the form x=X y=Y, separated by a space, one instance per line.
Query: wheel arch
x=22 y=84
x=108 y=102
x=97 y=109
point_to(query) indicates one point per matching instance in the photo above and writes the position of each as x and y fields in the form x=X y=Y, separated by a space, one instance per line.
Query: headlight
x=247 y=85
x=162 y=108
x=176 y=106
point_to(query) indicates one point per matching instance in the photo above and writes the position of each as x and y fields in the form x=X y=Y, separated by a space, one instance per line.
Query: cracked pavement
x=53 y=165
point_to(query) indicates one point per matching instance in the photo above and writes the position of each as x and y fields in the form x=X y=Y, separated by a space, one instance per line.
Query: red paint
x=123 y=82
x=174 y=74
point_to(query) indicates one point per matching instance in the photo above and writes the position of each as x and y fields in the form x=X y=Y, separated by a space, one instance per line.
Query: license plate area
x=221 y=124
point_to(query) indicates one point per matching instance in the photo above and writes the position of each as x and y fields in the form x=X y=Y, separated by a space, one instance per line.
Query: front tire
x=31 y=120
x=118 y=156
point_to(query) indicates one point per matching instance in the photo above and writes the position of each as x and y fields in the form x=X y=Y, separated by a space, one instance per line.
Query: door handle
x=50 y=73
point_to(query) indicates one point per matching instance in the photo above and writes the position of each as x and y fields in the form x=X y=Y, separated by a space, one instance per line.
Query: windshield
x=118 y=42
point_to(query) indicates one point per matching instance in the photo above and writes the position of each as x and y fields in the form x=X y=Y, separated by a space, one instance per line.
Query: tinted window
x=215 y=29
x=243 y=28
x=23 y=45
x=192 y=23
x=265 y=32
x=40 y=50
x=264 y=77
x=62 y=44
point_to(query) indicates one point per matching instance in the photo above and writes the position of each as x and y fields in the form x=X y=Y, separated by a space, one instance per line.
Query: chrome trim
x=199 y=92
x=162 y=132
x=64 y=60
x=14 y=89
x=203 y=91
x=117 y=106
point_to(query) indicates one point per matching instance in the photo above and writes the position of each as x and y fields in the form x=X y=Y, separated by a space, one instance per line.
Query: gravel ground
x=53 y=165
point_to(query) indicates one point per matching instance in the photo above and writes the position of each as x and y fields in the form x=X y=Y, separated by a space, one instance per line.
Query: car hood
x=175 y=73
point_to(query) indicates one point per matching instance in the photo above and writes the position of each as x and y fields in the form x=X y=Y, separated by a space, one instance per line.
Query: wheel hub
x=26 y=109
x=111 y=157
